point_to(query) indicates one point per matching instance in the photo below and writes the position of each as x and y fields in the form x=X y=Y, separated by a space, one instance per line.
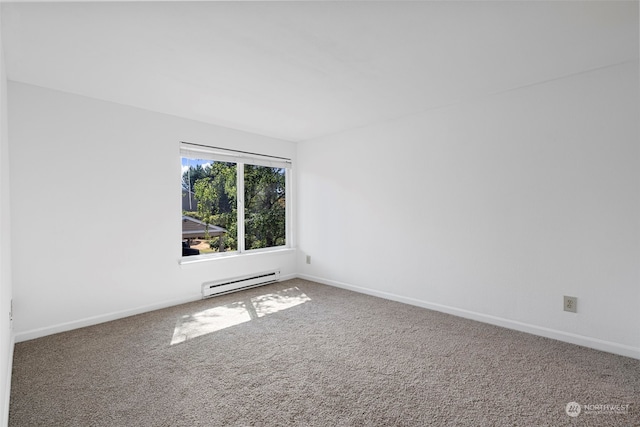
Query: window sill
x=197 y=259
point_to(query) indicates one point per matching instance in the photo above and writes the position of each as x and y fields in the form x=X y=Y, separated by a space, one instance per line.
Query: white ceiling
x=299 y=70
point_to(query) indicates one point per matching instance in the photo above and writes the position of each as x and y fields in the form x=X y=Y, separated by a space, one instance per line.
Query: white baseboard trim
x=7 y=391
x=595 y=343
x=288 y=277
x=94 y=320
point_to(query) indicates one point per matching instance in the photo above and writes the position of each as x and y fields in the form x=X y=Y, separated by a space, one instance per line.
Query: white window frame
x=240 y=158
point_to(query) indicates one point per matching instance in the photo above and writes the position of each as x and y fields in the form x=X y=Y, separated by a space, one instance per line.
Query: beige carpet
x=300 y=353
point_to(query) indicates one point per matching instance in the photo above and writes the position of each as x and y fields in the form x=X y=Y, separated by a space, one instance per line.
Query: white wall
x=6 y=340
x=96 y=210
x=492 y=209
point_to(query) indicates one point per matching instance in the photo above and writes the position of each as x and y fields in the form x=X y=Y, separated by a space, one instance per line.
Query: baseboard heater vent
x=210 y=289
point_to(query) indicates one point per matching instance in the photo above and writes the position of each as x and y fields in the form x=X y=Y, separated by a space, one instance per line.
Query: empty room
x=349 y=213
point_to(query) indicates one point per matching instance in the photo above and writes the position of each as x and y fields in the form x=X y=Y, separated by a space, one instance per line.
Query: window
x=232 y=201
x=209 y=206
x=264 y=207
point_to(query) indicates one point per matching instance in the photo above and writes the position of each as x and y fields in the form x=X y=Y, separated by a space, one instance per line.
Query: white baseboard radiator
x=210 y=289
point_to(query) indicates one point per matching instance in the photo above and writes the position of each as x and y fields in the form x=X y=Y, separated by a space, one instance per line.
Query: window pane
x=264 y=212
x=209 y=207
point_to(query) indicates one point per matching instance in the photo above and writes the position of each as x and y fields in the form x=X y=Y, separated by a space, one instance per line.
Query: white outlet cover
x=570 y=304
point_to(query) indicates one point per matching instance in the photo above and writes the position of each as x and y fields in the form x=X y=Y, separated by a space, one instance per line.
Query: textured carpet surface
x=301 y=353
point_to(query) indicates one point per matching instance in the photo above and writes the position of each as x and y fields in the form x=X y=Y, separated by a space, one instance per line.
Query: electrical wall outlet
x=571 y=304
x=308 y=259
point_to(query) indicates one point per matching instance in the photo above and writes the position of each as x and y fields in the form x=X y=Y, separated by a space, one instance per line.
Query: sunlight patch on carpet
x=215 y=319
x=278 y=301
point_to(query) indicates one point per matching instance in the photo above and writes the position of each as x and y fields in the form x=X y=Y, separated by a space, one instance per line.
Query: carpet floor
x=301 y=353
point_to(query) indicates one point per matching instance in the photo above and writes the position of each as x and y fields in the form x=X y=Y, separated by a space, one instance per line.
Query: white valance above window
x=198 y=151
